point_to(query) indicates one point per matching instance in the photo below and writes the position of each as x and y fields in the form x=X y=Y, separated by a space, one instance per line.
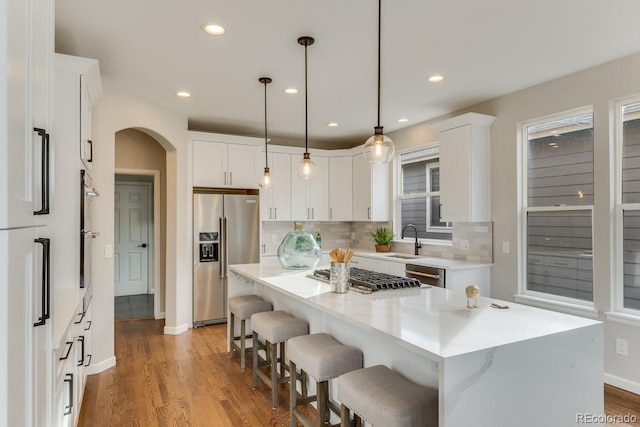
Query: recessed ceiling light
x=213 y=29
x=403 y=120
x=291 y=90
x=183 y=94
x=436 y=78
x=332 y=124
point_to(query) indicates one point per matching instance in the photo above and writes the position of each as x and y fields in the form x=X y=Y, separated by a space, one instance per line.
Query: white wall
x=597 y=87
x=115 y=112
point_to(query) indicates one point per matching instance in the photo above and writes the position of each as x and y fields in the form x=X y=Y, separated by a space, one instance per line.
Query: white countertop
x=432 y=321
x=449 y=264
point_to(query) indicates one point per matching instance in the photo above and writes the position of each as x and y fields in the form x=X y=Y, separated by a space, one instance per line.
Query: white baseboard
x=623 y=383
x=176 y=330
x=160 y=316
x=96 y=368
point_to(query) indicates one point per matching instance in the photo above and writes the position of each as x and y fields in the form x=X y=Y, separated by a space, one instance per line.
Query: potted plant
x=383 y=237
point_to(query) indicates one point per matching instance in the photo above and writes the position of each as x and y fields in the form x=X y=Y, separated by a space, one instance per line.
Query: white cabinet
x=340 y=190
x=77 y=87
x=465 y=168
x=371 y=199
x=310 y=199
x=275 y=201
x=218 y=165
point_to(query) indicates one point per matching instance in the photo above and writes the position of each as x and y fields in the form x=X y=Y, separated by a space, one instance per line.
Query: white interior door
x=131 y=255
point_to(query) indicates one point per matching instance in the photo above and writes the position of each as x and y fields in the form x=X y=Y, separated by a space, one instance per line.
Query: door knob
x=144 y=245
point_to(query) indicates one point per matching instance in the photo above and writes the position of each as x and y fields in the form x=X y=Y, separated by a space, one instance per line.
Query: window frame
x=399 y=195
x=524 y=209
x=617 y=290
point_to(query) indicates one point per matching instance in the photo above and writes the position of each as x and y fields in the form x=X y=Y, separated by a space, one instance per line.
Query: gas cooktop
x=371 y=281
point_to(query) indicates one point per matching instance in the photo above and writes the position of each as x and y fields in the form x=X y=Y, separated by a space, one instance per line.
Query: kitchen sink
x=403 y=256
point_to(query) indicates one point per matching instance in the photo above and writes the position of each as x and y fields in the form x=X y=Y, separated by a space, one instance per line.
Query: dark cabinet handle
x=81 y=360
x=79 y=320
x=69 y=379
x=90 y=150
x=88 y=325
x=89 y=362
x=44 y=137
x=46 y=281
x=66 y=356
x=440 y=211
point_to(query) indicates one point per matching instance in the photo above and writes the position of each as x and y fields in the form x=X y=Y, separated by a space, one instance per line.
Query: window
x=419 y=193
x=558 y=206
x=628 y=205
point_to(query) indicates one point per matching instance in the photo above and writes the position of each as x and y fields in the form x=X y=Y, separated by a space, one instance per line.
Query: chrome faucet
x=418 y=245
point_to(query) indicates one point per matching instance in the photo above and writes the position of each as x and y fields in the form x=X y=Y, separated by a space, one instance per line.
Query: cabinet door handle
x=69 y=379
x=225 y=178
x=90 y=151
x=79 y=320
x=230 y=178
x=89 y=361
x=275 y=213
x=330 y=213
x=88 y=325
x=81 y=360
x=269 y=213
x=66 y=356
x=313 y=213
x=264 y=248
x=369 y=213
x=46 y=281
x=307 y=213
x=44 y=137
x=440 y=211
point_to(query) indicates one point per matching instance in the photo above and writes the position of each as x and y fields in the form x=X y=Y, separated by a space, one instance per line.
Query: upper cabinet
x=340 y=188
x=224 y=161
x=370 y=190
x=310 y=199
x=77 y=88
x=276 y=200
x=464 y=168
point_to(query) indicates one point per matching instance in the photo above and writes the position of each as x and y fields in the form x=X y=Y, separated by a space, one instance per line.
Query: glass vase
x=299 y=249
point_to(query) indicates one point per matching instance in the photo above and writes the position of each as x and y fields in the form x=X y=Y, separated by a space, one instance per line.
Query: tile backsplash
x=356 y=235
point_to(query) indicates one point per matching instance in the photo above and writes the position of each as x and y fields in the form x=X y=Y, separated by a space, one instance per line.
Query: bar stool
x=324 y=358
x=273 y=327
x=243 y=307
x=383 y=398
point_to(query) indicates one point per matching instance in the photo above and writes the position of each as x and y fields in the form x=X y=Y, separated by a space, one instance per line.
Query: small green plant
x=382 y=235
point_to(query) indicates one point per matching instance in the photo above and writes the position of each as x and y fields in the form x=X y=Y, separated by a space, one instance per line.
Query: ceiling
x=484 y=49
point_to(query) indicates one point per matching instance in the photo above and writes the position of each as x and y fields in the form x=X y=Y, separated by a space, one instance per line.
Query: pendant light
x=379 y=148
x=306 y=168
x=265 y=181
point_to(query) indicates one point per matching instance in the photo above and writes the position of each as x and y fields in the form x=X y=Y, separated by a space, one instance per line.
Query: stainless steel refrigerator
x=226 y=230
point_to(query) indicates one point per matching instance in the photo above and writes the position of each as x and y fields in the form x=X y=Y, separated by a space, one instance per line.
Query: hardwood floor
x=189 y=380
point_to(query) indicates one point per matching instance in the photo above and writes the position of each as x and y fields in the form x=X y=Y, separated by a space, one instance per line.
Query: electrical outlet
x=622 y=347
x=464 y=244
x=273 y=238
x=505 y=247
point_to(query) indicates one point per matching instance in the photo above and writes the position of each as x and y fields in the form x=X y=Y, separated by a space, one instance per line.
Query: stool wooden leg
x=274 y=376
x=256 y=347
x=292 y=393
x=243 y=339
x=283 y=365
x=345 y=416
x=357 y=420
x=321 y=393
x=232 y=332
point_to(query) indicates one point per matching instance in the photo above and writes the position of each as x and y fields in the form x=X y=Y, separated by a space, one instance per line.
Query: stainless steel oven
x=87 y=234
x=429 y=275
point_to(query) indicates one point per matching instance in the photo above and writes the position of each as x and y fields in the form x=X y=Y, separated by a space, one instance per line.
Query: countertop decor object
x=473 y=292
x=379 y=148
x=299 y=249
x=265 y=181
x=306 y=168
x=383 y=237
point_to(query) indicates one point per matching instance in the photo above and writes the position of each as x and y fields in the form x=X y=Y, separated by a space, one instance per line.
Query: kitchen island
x=492 y=367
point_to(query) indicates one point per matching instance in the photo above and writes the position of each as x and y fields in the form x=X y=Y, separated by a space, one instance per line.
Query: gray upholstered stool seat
x=383 y=398
x=324 y=358
x=243 y=307
x=271 y=328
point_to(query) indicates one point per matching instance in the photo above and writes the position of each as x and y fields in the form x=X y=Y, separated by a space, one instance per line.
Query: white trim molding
x=560 y=306
x=623 y=318
x=177 y=330
x=96 y=368
x=622 y=383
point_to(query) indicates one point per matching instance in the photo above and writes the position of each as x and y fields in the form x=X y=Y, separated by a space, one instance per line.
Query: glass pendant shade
x=307 y=169
x=265 y=180
x=379 y=149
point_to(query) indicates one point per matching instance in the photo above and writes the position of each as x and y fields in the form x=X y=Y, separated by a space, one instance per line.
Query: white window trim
x=619 y=313
x=526 y=296
x=398 y=196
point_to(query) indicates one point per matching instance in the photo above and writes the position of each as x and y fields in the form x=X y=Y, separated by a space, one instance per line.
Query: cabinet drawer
x=565 y=262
